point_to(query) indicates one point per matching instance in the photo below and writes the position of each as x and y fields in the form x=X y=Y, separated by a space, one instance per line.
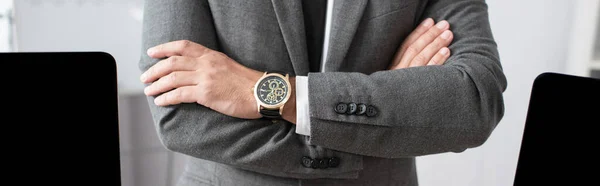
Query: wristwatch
x=271 y=92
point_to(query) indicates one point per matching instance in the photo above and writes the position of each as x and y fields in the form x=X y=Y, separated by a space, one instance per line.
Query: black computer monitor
x=560 y=136
x=59 y=118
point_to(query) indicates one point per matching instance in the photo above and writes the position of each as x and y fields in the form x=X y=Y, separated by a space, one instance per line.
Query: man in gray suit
x=239 y=87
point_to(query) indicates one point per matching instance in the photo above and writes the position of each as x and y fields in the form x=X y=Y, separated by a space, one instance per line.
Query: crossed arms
x=443 y=108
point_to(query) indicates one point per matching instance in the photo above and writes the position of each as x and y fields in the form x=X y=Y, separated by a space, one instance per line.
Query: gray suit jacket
x=422 y=110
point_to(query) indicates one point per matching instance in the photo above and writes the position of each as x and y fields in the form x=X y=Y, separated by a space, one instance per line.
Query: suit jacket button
x=314 y=164
x=341 y=108
x=361 y=109
x=321 y=163
x=334 y=162
x=371 y=111
x=351 y=108
x=307 y=162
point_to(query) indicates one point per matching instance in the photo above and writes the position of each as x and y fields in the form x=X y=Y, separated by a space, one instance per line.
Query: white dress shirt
x=302 y=106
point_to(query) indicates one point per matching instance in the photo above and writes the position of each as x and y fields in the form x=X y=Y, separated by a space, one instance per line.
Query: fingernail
x=445 y=34
x=150 y=51
x=442 y=24
x=143 y=77
x=444 y=51
x=157 y=102
x=147 y=91
x=428 y=22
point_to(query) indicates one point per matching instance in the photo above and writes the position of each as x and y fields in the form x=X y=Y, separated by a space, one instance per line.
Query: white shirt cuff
x=302 y=112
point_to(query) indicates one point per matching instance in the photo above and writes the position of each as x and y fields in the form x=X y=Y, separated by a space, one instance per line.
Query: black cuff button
x=307 y=162
x=361 y=109
x=371 y=111
x=351 y=108
x=341 y=108
x=321 y=163
x=334 y=162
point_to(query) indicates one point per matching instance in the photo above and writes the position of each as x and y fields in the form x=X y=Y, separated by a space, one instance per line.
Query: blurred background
x=533 y=37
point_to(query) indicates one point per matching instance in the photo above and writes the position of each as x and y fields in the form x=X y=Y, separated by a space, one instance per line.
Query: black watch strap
x=273 y=114
x=277 y=71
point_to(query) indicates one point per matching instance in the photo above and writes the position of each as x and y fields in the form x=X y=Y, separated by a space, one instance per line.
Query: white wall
x=532 y=37
x=5 y=6
x=112 y=26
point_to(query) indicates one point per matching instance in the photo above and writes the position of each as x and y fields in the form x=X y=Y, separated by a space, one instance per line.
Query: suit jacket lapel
x=291 y=22
x=345 y=20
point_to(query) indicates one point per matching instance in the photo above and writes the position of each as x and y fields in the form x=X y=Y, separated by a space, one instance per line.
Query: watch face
x=272 y=90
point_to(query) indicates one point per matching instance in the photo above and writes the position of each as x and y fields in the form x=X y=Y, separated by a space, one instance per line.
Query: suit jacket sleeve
x=421 y=110
x=192 y=129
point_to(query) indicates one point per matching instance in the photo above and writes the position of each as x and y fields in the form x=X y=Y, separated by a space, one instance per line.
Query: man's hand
x=192 y=73
x=426 y=45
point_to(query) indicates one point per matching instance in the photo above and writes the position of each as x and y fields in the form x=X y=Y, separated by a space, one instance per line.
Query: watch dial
x=272 y=90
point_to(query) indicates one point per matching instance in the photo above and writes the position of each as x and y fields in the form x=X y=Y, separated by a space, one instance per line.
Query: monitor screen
x=560 y=136
x=60 y=125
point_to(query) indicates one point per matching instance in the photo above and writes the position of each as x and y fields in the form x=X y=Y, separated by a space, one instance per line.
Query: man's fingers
x=171 y=81
x=422 y=28
x=440 y=57
x=186 y=94
x=424 y=40
x=166 y=66
x=430 y=50
x=177 y=48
